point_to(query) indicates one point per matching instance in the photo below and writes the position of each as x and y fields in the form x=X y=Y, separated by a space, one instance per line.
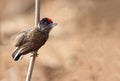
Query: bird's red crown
x=49 y=20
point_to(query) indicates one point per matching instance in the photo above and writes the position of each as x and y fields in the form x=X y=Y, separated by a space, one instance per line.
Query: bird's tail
x=17 y=55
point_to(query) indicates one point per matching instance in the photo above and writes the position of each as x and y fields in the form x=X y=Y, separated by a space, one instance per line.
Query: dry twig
x=33 y=57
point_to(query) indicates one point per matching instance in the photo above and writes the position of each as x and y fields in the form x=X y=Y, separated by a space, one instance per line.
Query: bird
x=32 y=40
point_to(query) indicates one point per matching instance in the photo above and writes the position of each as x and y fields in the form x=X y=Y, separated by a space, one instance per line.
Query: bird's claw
x=36 y=54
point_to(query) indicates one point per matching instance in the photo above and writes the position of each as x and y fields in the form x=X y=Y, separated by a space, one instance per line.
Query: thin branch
x=30 y=68
x=33 y=57
x=37 y=12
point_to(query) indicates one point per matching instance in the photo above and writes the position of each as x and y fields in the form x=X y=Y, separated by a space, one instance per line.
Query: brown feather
x=32 y=40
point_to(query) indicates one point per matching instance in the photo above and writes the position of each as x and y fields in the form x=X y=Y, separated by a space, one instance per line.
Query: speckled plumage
x=31 y=41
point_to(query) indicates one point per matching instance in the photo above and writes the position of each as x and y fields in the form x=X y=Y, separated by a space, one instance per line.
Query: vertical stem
x=33 y=57
x=37 y=12
x=30 y=68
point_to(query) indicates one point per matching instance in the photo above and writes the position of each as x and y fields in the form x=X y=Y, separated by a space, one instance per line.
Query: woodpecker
x=32 y=40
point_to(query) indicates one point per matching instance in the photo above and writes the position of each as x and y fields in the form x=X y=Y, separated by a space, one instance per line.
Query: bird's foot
x=34 y=53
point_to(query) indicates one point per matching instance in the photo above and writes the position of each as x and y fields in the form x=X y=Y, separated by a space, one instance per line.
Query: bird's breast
x=38 y=38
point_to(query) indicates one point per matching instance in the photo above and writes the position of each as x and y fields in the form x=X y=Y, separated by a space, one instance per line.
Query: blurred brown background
x=84 y=46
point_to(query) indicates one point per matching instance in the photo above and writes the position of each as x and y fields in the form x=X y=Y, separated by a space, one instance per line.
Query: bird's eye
x=46 y=21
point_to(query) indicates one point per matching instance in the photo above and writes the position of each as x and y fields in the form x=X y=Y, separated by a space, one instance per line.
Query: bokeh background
x=84 y=46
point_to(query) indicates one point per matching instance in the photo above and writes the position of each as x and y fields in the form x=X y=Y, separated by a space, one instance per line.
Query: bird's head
x=46 y=24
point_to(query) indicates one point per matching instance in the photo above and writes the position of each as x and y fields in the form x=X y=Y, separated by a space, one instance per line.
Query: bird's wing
x=20 y=39
x=27 y=47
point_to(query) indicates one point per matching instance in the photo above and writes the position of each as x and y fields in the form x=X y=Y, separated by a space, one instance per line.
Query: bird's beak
x=54 y=24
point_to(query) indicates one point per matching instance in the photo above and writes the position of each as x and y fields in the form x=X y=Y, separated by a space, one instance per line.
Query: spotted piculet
x=31 y=40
